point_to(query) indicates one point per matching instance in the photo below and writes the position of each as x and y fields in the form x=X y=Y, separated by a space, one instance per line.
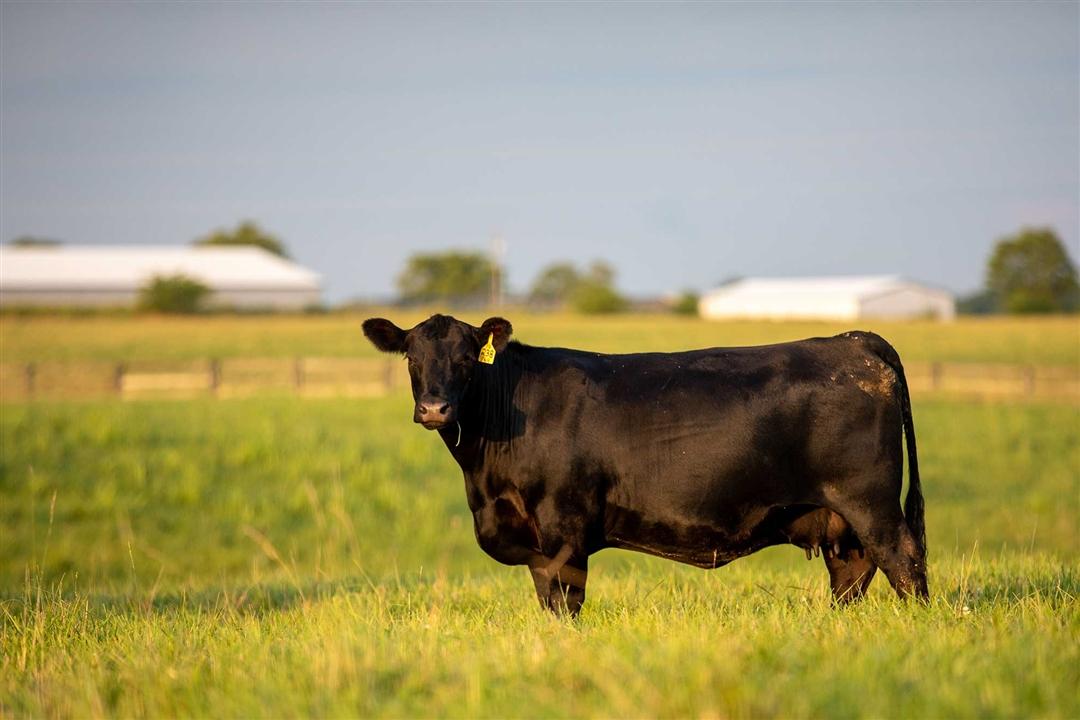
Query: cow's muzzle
x=434 y=413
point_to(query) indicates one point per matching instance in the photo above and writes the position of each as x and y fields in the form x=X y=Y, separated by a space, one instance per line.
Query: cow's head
x=443 y=356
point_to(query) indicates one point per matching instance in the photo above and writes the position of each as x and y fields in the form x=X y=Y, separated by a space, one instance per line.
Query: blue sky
x=683 y=143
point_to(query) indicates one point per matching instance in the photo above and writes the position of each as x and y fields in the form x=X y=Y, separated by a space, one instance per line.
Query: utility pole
x=498 y=252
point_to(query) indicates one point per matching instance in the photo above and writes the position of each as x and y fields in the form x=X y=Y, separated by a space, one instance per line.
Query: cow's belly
x=813 y=528
x=696 y=543
x=701 y=498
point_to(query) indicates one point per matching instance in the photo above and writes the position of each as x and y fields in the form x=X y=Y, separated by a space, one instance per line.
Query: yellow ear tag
x=487 y=353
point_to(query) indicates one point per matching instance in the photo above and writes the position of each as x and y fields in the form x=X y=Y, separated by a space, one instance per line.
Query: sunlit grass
x=294 y=557
x=997 y=640
x=194 y=493
x=1038 y=341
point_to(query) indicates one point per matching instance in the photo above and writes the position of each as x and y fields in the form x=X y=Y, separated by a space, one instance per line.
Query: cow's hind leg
x=562 y=590
x=850 y=573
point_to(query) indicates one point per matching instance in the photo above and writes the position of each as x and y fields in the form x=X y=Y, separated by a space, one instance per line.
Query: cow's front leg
x=508 y=534
x=560 y=581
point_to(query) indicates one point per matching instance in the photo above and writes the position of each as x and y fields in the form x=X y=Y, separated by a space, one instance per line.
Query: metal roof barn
x=112 y=275
x=827 y=298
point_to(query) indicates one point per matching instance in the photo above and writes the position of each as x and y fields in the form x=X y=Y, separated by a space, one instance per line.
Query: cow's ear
x=385 y=335
x=499 y=330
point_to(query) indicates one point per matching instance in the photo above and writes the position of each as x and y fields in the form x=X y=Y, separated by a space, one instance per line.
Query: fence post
x=118 y=378
x=298 y=374
x=29 y=372
x=215 y=375
x=388 y=375
x=935 y=376
x=1029 y=380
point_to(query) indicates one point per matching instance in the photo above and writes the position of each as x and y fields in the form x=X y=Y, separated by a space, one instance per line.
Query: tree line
x=462 y=278
x=1029 y=271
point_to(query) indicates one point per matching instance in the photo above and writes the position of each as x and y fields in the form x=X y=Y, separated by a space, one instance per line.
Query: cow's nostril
x=433 y=409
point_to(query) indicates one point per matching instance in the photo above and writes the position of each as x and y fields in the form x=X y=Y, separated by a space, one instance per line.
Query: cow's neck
x=492 y=414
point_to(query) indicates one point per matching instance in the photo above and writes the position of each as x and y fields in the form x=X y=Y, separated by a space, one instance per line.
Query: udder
x=819 y=530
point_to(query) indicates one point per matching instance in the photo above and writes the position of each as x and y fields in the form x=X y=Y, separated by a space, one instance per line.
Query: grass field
x=283 y=557
x=1035 y=341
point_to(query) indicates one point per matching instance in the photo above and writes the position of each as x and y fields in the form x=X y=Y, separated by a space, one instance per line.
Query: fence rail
x=369 y=377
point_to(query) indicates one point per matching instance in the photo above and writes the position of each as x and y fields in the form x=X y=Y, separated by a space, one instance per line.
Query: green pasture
x=1034 y=341
x=190 y=494
x=291 y=557
x=282 y=557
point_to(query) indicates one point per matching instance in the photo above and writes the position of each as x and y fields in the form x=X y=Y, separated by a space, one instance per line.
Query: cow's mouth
x=434 y=424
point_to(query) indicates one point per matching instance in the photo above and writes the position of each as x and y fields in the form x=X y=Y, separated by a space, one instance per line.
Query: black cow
x=701 y=456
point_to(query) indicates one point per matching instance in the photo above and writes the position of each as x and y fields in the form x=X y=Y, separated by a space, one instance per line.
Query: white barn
x=827 y=298
x=112 y=275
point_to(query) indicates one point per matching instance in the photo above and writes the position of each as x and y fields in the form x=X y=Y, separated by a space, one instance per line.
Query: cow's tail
x=914 y=507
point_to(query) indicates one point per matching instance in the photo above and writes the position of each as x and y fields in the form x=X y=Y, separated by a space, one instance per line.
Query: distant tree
x=177 y=294
x=452 y=276
x=1030 y=272
x=980 y=302
x=686 y=303
x=595 y=292
x=554 y=284
x=591 y=298
x=601 y=273
x=27 y=241
x=246 y=233
x=592 y=291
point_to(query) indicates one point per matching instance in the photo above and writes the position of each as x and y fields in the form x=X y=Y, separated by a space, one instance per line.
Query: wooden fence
x=223 y=378
x=368 y=377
